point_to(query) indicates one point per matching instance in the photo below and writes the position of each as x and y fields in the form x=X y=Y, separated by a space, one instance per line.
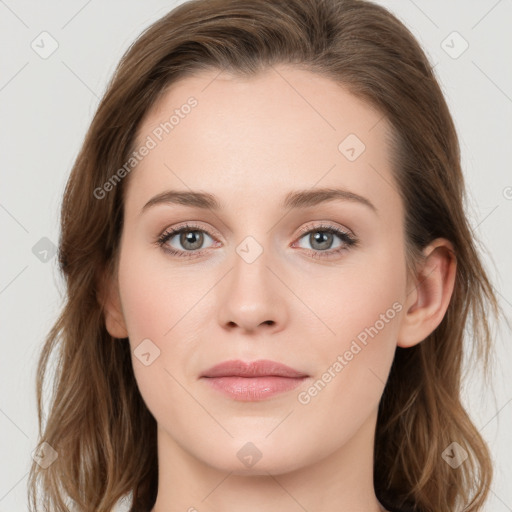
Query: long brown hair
x=97 y=422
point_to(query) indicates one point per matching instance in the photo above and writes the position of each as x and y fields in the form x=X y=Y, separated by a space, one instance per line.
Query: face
x=316 y=282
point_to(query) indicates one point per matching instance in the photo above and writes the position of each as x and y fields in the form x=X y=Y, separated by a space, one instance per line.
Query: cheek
x=157 y=308
x=154 y=297
x=366 y=294
x=362 y=307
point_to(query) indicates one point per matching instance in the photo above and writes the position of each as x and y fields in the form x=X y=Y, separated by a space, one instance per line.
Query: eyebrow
x=293 y=200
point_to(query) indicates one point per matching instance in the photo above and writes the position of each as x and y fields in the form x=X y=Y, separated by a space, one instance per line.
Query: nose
x=252 y=297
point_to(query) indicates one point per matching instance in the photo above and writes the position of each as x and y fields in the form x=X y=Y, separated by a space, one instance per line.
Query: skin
x=251 y=141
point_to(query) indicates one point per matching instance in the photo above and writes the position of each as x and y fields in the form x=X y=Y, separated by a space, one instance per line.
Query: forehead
x=281 y=129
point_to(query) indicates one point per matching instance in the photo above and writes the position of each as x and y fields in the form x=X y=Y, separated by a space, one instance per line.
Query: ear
x=430 y=293
x=111 y=302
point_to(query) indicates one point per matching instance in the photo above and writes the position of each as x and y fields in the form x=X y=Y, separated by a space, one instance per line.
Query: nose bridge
x=251 y=277
x=251 y=294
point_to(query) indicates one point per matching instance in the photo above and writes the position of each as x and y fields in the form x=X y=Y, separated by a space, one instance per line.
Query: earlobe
x=430 y=295
x=111 y=302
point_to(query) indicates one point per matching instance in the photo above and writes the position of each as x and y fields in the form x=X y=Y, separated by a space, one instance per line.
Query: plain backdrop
x=48 y=101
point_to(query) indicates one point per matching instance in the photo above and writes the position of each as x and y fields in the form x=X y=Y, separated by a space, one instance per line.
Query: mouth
x=252 y=381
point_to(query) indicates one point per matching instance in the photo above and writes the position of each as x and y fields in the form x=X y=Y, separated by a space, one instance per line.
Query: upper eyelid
x=310 y=226
x=188 y=226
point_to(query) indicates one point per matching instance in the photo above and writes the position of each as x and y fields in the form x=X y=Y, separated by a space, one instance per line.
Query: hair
x=97 y=421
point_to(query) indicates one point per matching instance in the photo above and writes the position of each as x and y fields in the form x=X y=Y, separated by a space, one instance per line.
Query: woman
x=269 y=273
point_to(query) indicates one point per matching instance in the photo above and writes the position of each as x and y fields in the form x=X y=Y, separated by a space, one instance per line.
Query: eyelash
x=348 y=240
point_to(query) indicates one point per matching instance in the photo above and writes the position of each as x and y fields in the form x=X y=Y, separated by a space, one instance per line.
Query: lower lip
x=252 y=389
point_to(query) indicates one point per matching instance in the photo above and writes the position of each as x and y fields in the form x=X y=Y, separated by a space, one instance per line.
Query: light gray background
x=47 y=104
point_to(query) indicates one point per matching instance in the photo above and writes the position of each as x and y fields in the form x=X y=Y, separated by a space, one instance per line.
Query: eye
x=189 y=239
x=325 y=240
x=322 y=240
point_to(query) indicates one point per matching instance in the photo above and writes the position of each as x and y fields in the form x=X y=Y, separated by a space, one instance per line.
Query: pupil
x=323 y=238
x=188 y=238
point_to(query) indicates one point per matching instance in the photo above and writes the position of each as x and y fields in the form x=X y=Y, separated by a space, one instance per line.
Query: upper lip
x=260 y=368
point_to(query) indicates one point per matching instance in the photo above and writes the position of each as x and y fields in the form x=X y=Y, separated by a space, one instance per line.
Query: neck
x=339 y=481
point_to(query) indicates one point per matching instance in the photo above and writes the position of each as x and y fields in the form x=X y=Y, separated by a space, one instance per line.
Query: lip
x=252 y=381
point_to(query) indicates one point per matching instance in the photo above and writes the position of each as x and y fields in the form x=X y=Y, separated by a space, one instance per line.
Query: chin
x=259 y=458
